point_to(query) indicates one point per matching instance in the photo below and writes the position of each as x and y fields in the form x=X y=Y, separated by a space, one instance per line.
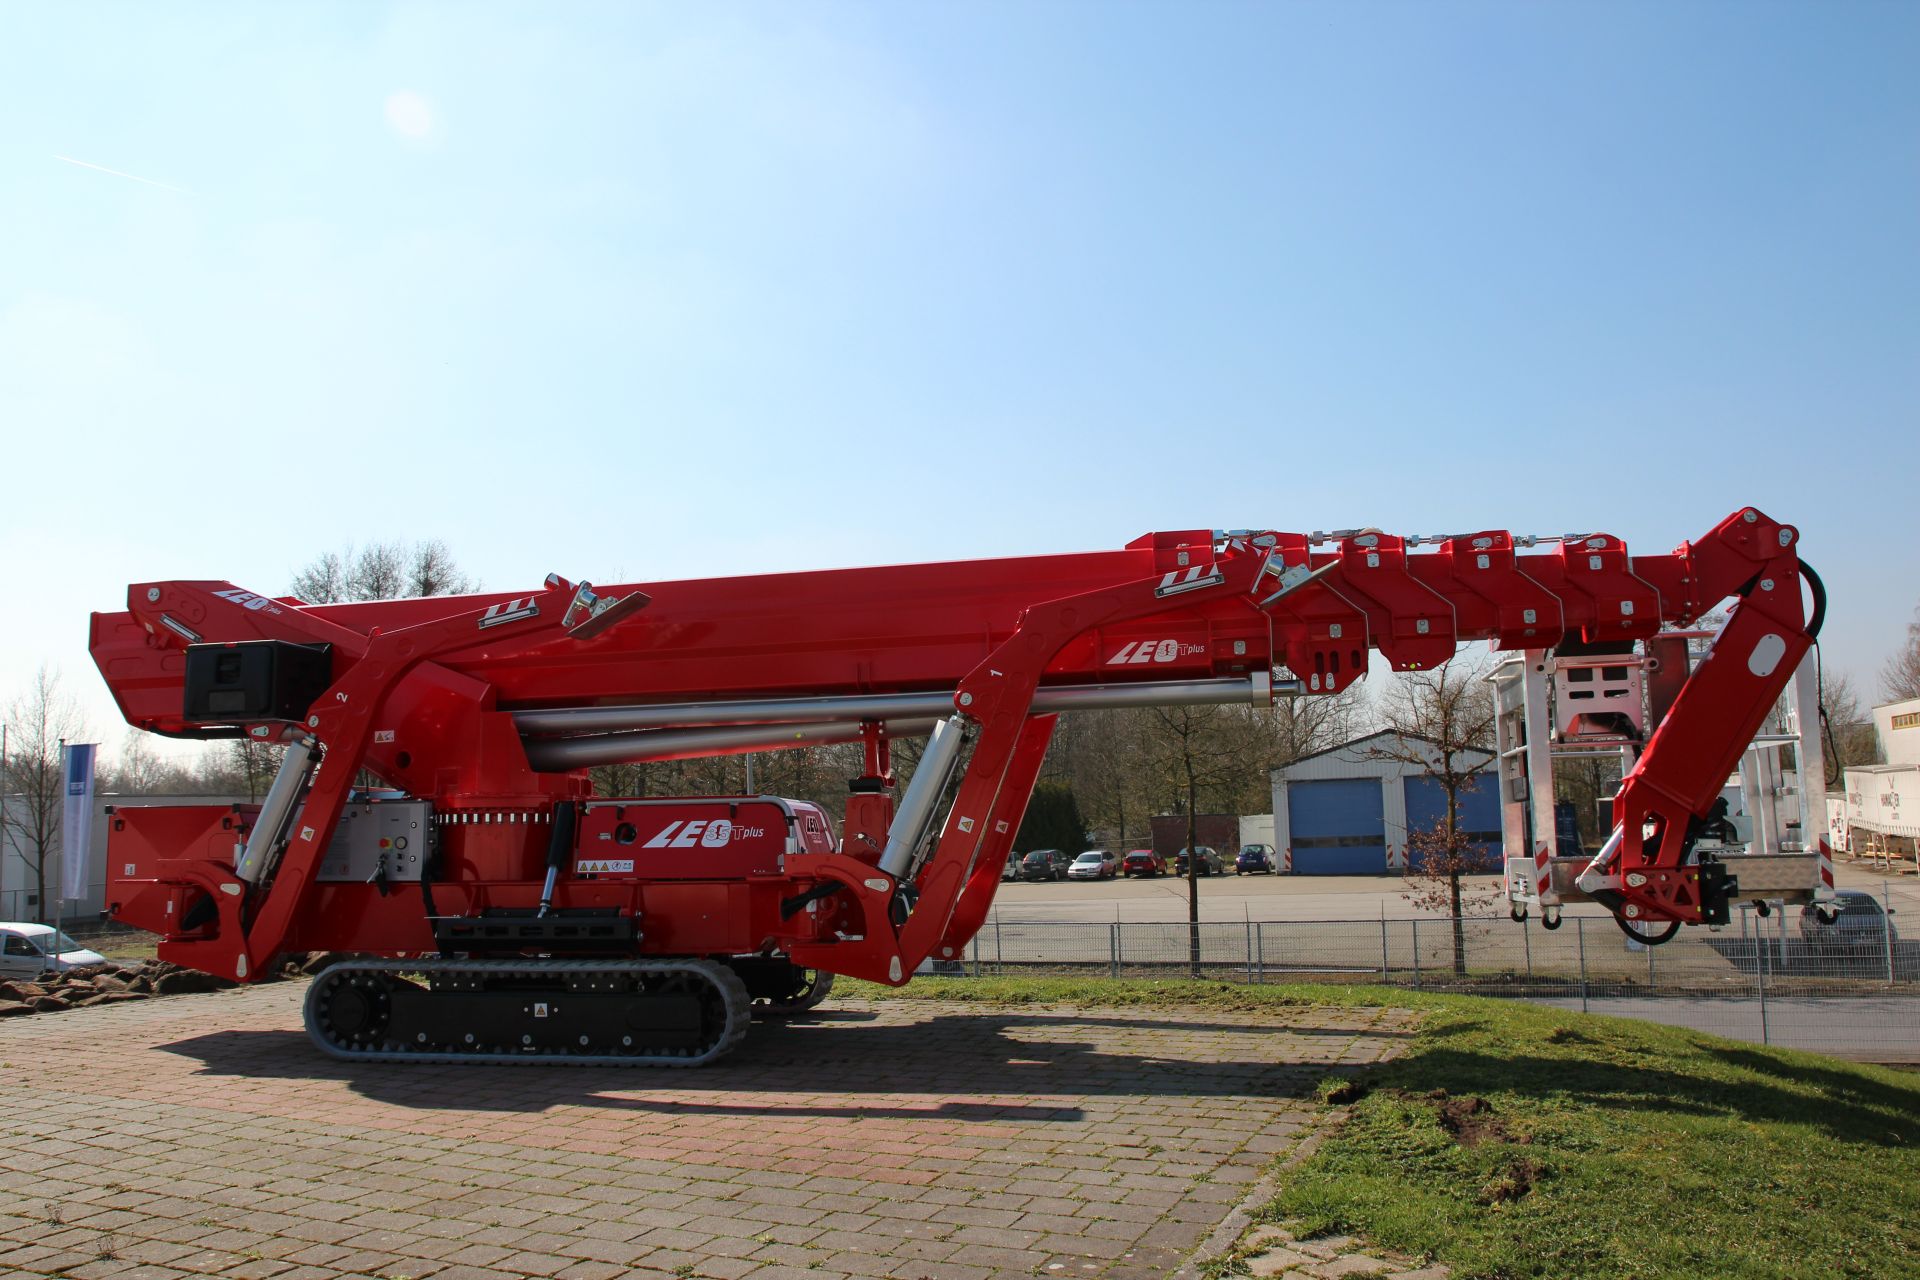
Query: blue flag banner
x=76 y=826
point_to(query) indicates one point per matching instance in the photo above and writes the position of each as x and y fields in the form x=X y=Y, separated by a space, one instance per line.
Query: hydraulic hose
x=1819 y=590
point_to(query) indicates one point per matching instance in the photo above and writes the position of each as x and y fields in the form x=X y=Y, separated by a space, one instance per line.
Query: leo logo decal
x=248 y=600
x=1145 y=651
x=716 y=833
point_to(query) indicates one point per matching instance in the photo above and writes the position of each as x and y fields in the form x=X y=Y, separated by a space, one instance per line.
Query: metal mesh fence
x=1847 y=990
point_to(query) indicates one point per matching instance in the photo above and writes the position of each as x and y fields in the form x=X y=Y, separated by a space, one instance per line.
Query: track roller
x=642 y=1013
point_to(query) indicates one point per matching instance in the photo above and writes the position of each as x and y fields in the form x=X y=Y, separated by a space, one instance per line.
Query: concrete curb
x=1220 y=1242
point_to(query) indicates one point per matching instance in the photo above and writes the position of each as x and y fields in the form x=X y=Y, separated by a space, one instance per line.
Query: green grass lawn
x=1510 y=1140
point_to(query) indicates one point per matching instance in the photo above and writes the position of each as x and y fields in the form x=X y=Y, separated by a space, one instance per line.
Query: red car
x=1144 y=862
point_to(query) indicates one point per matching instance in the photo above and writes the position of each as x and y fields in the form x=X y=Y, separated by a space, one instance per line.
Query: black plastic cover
x=255 y=680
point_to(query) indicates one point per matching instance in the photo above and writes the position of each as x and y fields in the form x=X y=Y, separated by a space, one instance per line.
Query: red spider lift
x=497 y=909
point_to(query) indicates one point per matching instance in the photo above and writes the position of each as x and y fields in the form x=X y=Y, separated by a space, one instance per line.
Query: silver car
x=29 y=950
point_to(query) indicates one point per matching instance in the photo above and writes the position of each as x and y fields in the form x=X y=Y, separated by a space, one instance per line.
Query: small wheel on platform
x=1549 y=918
x=1517 y=913
x=812 y=987
x=1646 y=933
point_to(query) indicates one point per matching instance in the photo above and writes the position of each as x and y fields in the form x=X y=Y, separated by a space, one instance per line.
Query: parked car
x=1210 y=864
x=1045 y=864
x=1094 y=864
x=1143 y=862
x=28 y=950
x=1012 y=870
x=1859 y=921
x=1254 y=858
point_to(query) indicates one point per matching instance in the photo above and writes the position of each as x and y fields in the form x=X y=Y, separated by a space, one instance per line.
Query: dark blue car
x=1253 y=858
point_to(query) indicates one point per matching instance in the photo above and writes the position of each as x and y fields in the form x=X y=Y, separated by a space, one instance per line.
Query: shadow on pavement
x=844 y=1065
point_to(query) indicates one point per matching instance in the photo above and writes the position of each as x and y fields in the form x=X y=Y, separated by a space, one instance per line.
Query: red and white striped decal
x=1826 y=864
x=1175 y=582
x=1542 y=874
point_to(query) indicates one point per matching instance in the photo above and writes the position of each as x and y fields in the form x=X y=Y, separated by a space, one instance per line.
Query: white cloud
x=411 y=116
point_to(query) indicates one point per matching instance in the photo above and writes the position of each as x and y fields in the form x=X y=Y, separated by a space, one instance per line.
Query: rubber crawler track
x=732 y=991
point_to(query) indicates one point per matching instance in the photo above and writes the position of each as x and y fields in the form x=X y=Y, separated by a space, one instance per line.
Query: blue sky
x=648 y=292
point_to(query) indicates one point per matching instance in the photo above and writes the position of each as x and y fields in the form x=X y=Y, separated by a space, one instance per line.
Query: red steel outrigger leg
x=1643 y=873
x=252 y=923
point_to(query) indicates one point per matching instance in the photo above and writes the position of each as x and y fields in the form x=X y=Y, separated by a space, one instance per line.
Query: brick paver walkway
x=203 y=1135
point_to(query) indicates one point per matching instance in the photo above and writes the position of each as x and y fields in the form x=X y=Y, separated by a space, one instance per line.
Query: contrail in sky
x=116 y=173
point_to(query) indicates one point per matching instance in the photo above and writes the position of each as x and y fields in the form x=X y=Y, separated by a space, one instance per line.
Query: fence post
x=1260 y=950
x=1526 y=940
x=1383 y=950
x=1249 y=925
x=976 y=954
x=1416 y=955
x=1766 y=1036
x=1113 y=949
x=999 y=954
x=1886 y=928
x=1650 y=951
x=1580 y=932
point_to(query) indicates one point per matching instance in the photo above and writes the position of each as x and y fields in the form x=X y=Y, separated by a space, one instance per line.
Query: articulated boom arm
x=491 y=707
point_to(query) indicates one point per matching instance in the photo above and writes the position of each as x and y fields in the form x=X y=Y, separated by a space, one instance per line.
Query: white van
x=29 y=950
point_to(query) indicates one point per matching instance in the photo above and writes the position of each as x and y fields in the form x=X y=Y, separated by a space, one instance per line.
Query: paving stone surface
x=1275 y=1251
x=203 y=1135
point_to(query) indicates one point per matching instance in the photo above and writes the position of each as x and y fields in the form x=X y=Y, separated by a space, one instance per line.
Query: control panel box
x=388 y=840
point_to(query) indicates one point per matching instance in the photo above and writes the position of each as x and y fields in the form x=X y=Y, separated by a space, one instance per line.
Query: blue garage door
x=1337 y=826
x=1479 y=813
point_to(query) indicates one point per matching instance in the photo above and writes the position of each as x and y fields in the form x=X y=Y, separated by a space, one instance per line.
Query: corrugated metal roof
x=1354 y=759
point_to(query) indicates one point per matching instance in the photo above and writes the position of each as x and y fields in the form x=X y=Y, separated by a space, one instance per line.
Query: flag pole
x=57 y=904
x=6 y=773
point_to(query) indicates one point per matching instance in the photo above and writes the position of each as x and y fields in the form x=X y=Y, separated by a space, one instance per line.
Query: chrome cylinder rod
x=1257 y=689
x=557 y=755
x=930 y=778
x=276 y=812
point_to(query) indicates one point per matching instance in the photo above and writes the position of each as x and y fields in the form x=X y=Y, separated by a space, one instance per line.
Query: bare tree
x=1442 y=724
x=382 y=571
x=1101 y=755
x=1193 y=753
x=1850 y=738
x=1900 y=678
x=39 y=720
x=1297 y=727
x=432 y=572
x=137 y=769
x=324 y=580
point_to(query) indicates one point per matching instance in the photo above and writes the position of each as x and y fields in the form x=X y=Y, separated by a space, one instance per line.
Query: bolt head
x=1766 y=584
x=153 y=594
x=966 y=699
x=313 y=722
x=1750 y=516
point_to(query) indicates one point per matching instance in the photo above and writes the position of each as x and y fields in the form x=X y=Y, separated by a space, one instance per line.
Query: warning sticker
x=603 y=866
